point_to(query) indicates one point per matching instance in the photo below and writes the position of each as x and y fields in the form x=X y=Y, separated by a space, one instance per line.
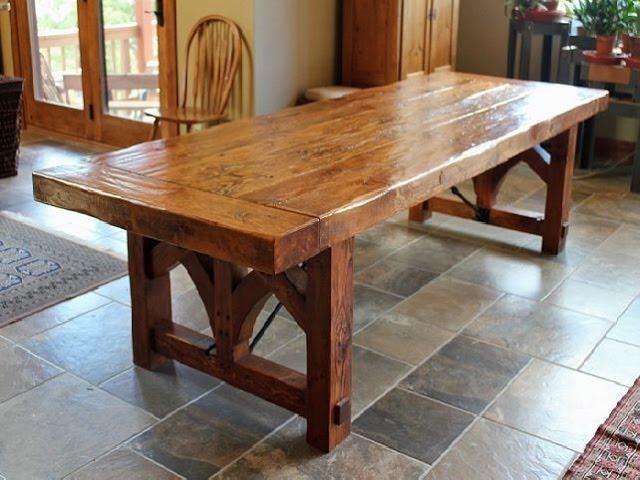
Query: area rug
x=614 y=453
x=39 y=269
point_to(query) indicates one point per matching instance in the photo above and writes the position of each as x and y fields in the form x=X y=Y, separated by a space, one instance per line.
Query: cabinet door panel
x=415 y=38
x=371 y=42
x=444 y=24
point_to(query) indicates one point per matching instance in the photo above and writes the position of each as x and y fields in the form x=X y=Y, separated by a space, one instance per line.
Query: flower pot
x=605 y=44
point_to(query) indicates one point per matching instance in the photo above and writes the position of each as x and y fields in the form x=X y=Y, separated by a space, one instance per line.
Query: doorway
x=92 y=67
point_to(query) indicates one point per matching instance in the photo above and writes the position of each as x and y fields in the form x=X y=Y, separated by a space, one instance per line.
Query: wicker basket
x=10 y=109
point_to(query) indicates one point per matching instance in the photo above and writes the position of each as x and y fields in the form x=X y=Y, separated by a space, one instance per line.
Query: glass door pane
x=55 y=47
x=130 y=47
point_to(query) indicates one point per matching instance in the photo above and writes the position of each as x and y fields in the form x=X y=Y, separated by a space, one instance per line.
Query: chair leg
x=635 y=180
x=154 y=131
x=589 y=144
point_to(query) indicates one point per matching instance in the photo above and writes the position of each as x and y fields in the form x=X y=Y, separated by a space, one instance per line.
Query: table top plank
x=347 y=164
x=230 y=229
x=369 y=187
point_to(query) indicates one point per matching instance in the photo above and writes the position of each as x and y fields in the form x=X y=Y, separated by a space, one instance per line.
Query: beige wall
x=482 y=42
x=295 y=49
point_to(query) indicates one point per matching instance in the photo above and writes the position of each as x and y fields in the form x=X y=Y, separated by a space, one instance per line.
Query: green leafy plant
x=599 y=17
x=630 y=17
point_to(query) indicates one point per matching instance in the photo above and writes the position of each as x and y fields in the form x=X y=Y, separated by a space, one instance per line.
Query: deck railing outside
x=130 y=62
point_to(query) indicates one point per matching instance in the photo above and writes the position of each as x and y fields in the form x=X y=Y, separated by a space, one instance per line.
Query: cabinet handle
x=432 y=15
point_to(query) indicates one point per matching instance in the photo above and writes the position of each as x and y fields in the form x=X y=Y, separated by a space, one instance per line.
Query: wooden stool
x=527 y=30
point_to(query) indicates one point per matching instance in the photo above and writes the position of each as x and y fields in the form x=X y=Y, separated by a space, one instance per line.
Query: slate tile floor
x=476 y=357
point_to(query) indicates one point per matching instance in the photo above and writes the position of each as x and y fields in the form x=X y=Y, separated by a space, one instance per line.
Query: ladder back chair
x=214 y=48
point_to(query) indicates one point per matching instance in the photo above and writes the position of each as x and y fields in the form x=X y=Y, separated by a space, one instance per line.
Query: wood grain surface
x=271 y=191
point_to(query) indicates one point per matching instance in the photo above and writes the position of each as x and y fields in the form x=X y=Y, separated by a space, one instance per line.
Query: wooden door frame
x=71 y=121
x=97 y=128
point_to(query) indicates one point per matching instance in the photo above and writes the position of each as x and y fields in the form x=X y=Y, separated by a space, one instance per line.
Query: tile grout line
x=255 y=445
x=384 y=355
x=421 y=236
x=480 y=415
x=380 y=290
x=165 y=468
x=126 y=443
x=17 y=342
x=593 y=350
x=518 y=429
x=542 y=359
x=412 y=370
x=438 y=401
x=115 y=449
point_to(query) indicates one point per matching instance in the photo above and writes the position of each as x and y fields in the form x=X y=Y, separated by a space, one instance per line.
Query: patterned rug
x=39 y=269
x=614 y=453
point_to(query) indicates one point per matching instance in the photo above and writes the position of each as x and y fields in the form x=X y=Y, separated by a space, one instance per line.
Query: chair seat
x=188 y=115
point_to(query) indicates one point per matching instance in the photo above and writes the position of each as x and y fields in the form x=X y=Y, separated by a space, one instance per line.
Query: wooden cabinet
x=389 y=40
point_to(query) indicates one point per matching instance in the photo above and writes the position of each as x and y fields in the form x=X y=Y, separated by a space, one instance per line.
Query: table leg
x=319 y=296
x=559 y=179
x=635 y=179
x=150 y=301
x=588 y=144
x=420 y=213
x=329 y=324
x=511 y=53
x=547 y=53
x=525 y=55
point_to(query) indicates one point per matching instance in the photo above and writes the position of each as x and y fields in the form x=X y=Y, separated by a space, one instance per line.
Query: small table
x=624 y=84
x=527 y=30
x=271 y=205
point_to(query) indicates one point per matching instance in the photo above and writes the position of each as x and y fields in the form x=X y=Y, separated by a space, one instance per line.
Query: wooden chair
x=215 y=48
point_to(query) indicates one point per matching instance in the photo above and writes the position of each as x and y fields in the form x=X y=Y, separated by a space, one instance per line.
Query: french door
x=93 y=67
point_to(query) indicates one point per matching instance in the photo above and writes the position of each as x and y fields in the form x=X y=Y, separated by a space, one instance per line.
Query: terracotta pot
x=605 y=44
x=626 y=43
x=551 y=5
x=634 y=46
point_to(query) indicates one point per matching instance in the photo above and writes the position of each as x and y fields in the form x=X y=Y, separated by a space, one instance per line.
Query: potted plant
x=518 y=9
x=534 y=10
x=551 y=5
x=630 y=21
x=601 y=18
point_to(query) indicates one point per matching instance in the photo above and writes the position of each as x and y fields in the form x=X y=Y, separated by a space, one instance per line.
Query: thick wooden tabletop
x=272 y=191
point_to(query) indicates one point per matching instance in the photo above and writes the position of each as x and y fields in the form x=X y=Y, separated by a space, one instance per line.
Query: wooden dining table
x=271 y=205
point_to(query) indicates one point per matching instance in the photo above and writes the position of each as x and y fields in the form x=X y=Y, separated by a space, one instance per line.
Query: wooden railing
x=62 y=50
x=132 y=79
